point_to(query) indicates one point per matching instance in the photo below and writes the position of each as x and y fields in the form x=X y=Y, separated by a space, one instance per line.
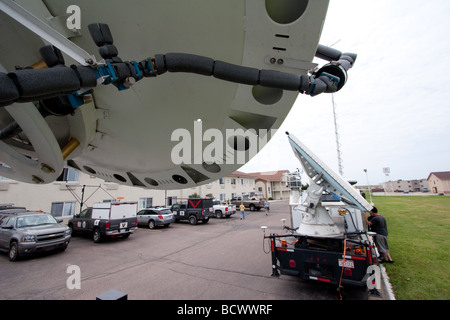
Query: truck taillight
x=226 y=209
x=201 y=212
x=108 y=225
x=160 y=216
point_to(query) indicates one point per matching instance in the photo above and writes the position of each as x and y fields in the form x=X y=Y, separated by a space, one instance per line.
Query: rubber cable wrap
x=330 y=78
x=36 y=84
x=182 y=62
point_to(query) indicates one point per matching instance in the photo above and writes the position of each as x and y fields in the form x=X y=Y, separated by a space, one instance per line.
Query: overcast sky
x=395 y=108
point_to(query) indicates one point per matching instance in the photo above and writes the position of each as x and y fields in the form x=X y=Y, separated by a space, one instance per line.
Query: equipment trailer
x=335 y=261
x=329 y=241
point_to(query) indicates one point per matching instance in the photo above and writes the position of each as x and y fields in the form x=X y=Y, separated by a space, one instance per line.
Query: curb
x=387 y=284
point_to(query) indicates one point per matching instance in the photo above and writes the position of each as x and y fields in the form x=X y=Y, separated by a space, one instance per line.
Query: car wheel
x=97 y=237
x=13 y=253
x=252 y=207
x=151 y=224
x=193 y=220
x=219 y=214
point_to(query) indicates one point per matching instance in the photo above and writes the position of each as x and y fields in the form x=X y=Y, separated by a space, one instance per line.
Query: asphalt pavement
x=225 y=259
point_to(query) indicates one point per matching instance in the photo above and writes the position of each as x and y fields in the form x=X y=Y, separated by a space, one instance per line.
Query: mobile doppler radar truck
x=328 y=241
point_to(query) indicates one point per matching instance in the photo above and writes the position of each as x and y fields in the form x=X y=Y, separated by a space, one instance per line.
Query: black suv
x=193 y=210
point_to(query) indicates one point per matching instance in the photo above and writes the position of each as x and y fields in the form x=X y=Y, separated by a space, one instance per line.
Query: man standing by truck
x=378 y=225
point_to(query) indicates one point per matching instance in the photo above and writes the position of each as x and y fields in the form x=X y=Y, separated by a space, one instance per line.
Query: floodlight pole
x=368 y=186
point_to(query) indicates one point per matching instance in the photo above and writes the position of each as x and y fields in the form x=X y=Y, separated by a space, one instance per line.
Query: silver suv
x=27 y=232
x=153 y=217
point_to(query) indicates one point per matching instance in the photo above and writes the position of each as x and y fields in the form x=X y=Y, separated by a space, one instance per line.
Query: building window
x=5 y=166
x=242 y=181
x=222 y=180
x=222 y=197
x=145 y=203
x=171 y=201
x=63 y=209
x=233 y=181
x=69 y=175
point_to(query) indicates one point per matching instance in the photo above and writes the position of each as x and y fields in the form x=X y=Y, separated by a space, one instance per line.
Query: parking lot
x=224 y=259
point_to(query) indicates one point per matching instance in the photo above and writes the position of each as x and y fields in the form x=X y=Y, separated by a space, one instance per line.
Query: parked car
x=252 y=203
x=27 y=232
x=223 y=210
x=153 y=217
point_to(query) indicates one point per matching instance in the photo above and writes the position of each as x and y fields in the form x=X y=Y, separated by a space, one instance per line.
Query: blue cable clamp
x=76 y=99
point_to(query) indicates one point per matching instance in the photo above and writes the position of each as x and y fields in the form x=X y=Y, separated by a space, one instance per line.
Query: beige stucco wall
x=41 y=197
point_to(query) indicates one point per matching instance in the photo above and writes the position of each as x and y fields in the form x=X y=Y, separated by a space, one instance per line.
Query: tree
x=195 y=195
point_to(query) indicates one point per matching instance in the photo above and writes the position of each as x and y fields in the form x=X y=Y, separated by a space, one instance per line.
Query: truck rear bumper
x=119 y=232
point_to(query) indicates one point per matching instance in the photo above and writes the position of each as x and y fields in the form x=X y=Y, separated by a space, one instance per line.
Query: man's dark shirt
x=379 y=225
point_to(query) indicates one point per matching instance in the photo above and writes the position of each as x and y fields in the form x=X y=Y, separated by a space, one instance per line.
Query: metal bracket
x=46 y=32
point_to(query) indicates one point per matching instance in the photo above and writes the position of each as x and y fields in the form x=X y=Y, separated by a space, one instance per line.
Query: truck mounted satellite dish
x=324 y=176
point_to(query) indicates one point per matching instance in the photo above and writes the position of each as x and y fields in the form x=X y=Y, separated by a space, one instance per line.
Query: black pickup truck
x=106 y=220
x=193 y=210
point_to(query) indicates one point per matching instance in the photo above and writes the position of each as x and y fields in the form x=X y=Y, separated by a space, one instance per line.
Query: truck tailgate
x=124 y=224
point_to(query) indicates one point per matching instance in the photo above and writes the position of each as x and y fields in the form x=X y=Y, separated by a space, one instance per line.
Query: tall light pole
x=368 y=185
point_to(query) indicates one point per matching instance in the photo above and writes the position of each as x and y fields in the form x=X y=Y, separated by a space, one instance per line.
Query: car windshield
x=35 y=220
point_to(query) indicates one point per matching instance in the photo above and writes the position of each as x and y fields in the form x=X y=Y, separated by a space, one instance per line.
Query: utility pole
x=82 y=197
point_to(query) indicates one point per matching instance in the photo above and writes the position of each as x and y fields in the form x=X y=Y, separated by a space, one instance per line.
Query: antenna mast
x=338 y=145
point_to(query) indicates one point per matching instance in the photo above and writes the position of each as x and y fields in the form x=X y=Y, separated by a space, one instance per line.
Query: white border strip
x=387 y=284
